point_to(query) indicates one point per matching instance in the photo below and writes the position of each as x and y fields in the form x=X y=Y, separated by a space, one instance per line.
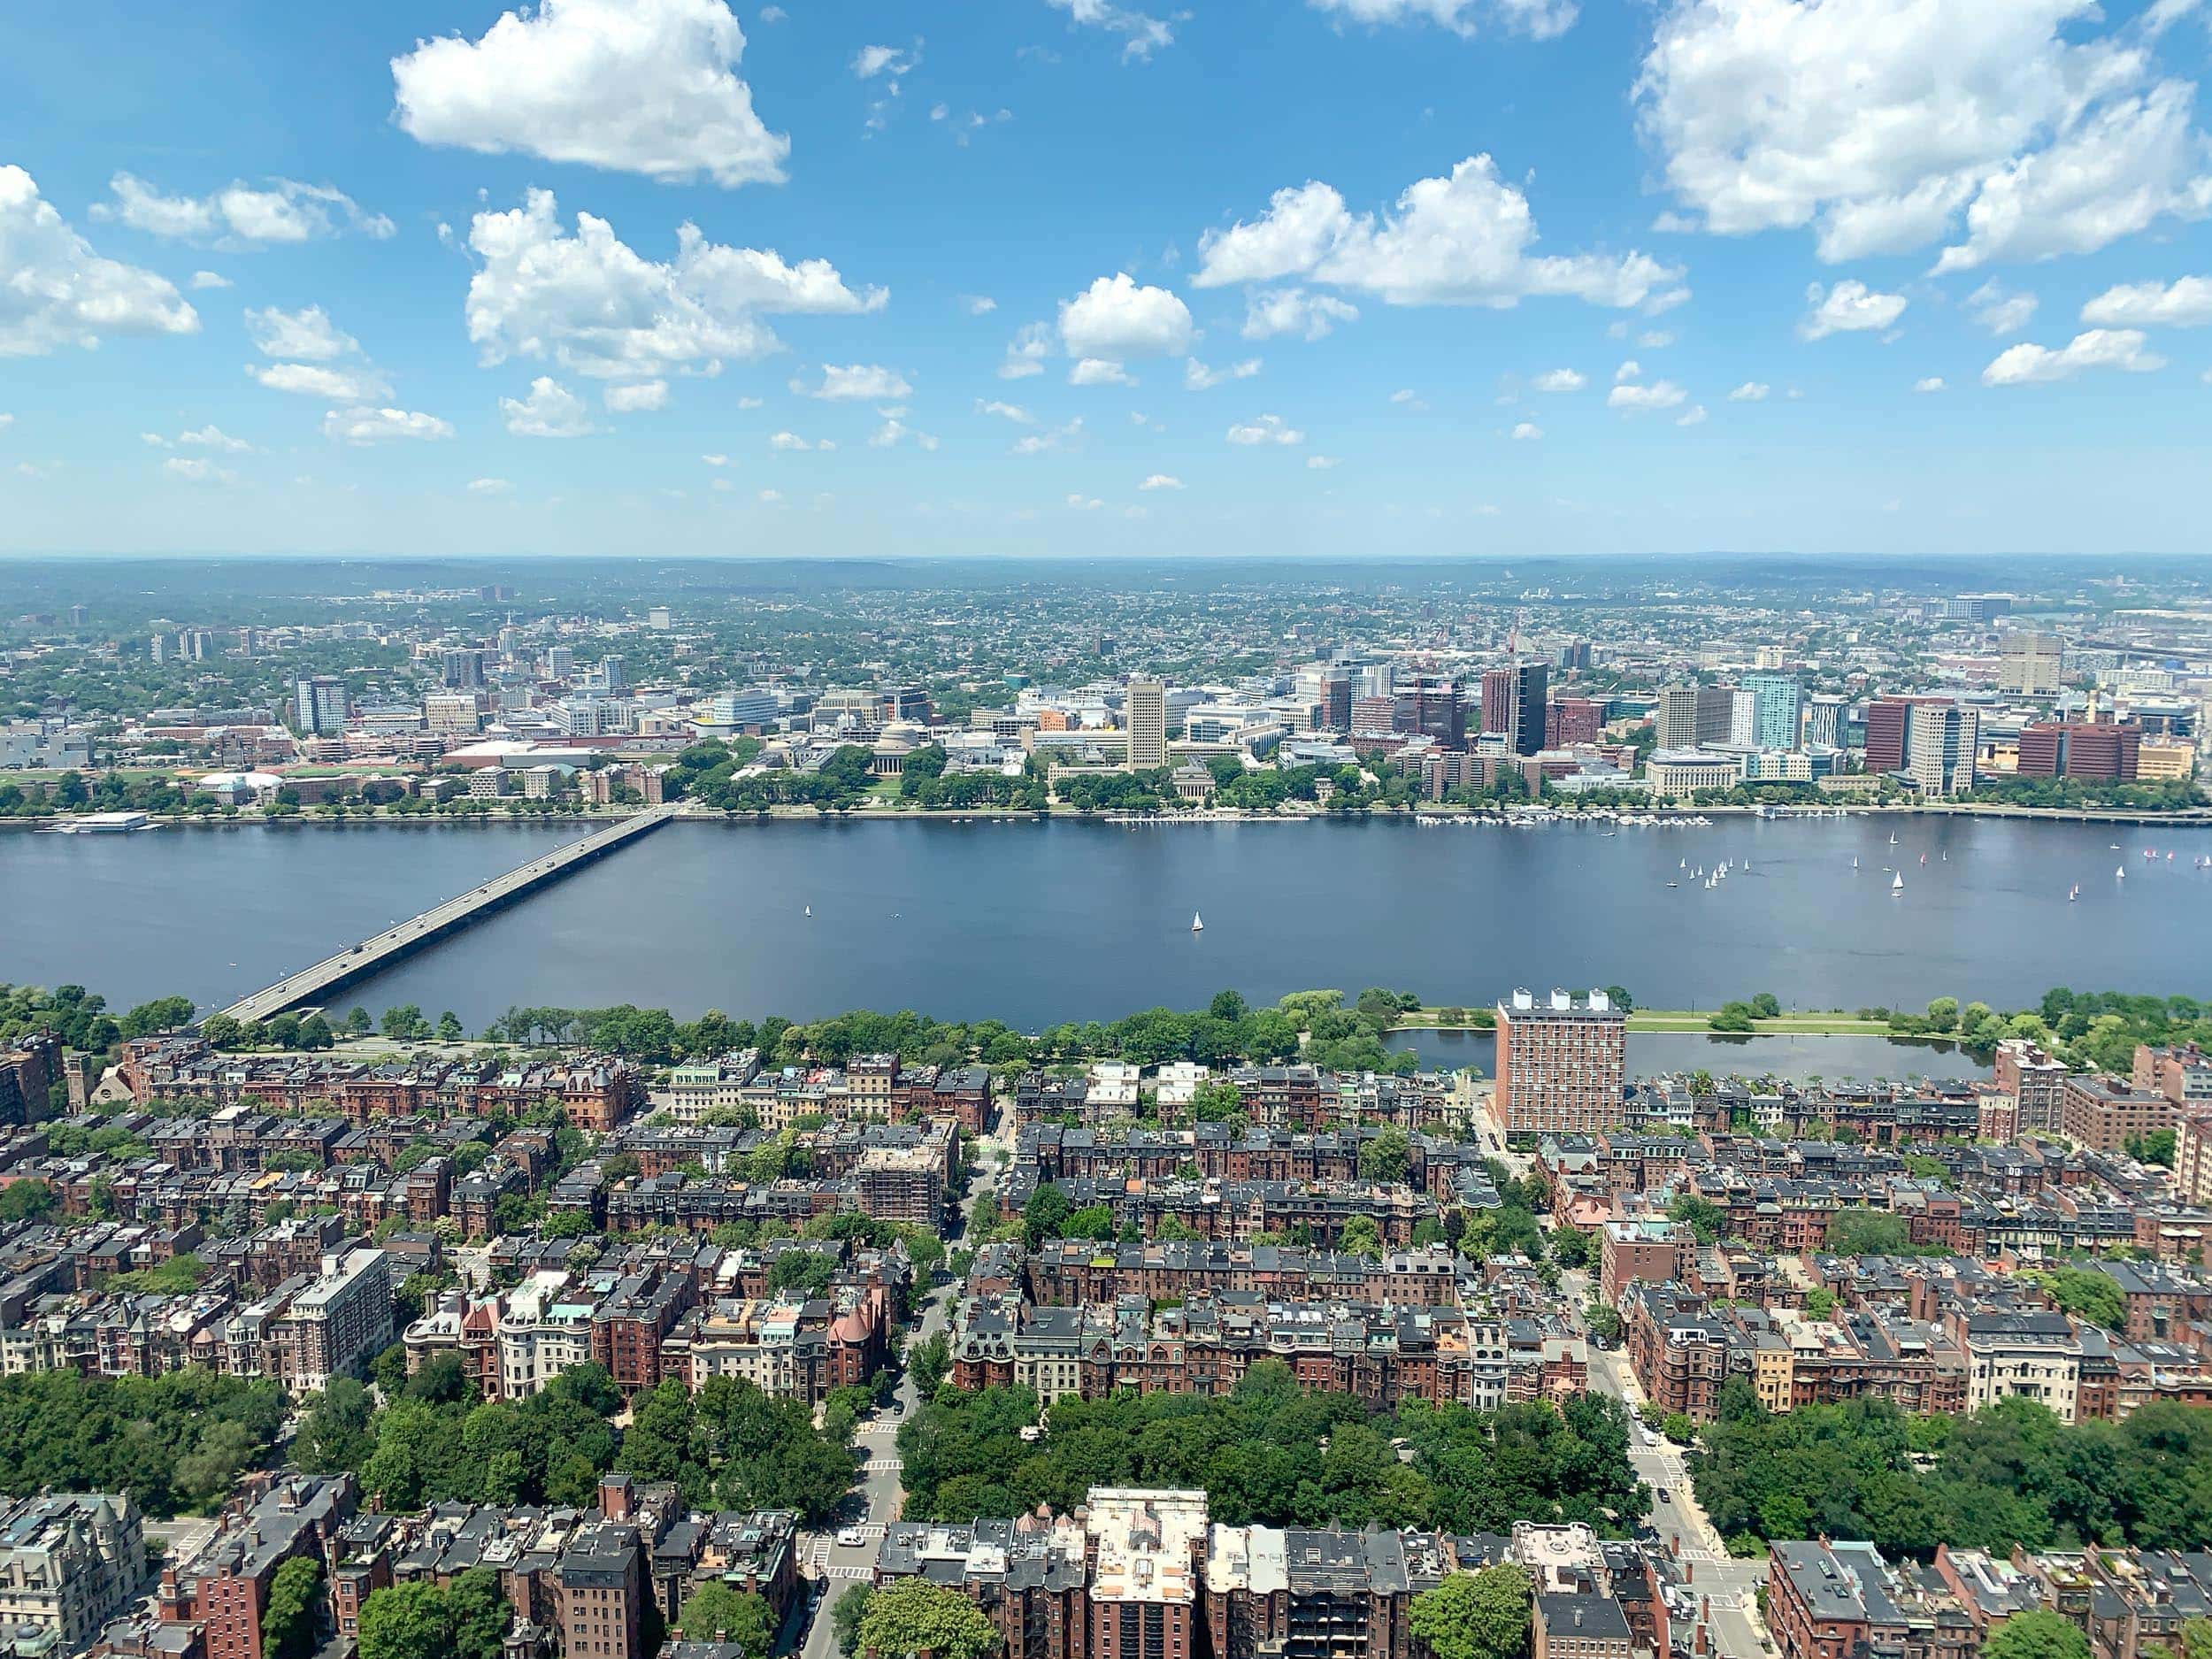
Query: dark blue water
x=1035 y=923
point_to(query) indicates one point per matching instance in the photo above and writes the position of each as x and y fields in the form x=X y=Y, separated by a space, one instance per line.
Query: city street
x=1730 y=1586
x=835 y=1568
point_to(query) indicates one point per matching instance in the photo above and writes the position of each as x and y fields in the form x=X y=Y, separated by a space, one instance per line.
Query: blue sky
x=1330 y=277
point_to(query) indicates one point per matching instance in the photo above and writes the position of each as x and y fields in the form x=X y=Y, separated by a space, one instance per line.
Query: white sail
x=1897 y=882
x=1196 y=926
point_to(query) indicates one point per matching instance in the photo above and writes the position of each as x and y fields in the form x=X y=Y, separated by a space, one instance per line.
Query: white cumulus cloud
x=55 y=291
x=1750 y=392
x=1142 y=33
x=1014 y=412
x=550 y=411
x=489 y=486
x=1026 y=353
x=1999 y=310
x=381 y=426
x=1527 y=432
x=1323 y=463
x=240 y=215
x=1161 y=480
x=637 y=396
x=1198 y=378
x=1118 y=318
x=1881 y=123
x=334 y=386
x=1633 y=397
x=592 y=304
x=1850 y=307
x=857 y=381
x=1099 y=372
x=1932 y=383
x=2095 y=348
x=1274 y=312
x=648 y=87
x=1266 y=429
x=197 y=470
x=2185 y=302
x=1540 y=20
x=1560 y=381
x=1465 y=240
x=307 y=334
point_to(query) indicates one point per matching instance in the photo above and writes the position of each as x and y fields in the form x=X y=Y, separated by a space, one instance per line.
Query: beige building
x=69 y=1562
x=2028 y=664
x=1147 y=724
x=2024 y=1355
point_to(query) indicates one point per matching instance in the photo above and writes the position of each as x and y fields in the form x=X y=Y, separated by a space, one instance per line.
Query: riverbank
x=1689 y=1022
x=877 y=808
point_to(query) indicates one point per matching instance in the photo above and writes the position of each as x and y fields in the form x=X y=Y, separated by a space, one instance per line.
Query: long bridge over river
x=356 y=962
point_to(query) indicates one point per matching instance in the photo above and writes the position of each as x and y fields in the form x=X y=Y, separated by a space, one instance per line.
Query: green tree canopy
x=1481 y=1615
x=912 y=1616
x=2038 y=1633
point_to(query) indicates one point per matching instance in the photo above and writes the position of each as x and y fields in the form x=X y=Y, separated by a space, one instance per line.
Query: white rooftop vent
x=1561 y=1002
x=1522 y=1001
x=1600 y=1002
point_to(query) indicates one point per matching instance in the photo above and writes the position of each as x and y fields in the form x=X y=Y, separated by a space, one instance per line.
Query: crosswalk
x=883 y=1465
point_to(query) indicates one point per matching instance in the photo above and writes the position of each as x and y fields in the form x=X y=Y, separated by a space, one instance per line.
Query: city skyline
x=1345 y=279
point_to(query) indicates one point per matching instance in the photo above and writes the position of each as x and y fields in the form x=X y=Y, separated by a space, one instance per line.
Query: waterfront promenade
x=382 y=949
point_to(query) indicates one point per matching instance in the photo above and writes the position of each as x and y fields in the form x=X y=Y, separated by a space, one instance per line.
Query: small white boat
x=2121 y=873
x=1893 y=838
x=2074 y=894
x=1897 y=882
x=1196 y=926
x=1854 y=861
x=810 y=909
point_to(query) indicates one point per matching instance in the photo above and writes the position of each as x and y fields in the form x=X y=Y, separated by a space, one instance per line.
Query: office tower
x=1432 y=708
x=560 y=662
x=1572 y=720
x=1777 y=709
x=1691 y=715
x=1147 y=711
x=1531 y=684
x=1940 y=748
x=2028 y=664
x=1560 y=1062
x=2106 y=753
x=1889 y=730
x=318 y=705
x=614 y=673
x=1497 y=700
x=463 y=668
x=161 y=647
x=1575 y=656
x=1825 y=720
x=1374 y=680
x=906 y=703
x=1336 y=700
x=1975 y=607
x=1743 y=717
x=660 y=618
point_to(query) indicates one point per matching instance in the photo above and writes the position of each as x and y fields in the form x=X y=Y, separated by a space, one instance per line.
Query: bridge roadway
x=382 y=950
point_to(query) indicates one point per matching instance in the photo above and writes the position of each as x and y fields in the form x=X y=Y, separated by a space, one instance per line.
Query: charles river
x=1034 y=922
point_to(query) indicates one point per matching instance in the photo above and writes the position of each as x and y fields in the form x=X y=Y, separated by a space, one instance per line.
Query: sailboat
x=2075 y=893
x=1854 y=861
x=1897 y=882
x=2121 y=873
x=1196 y=926
x=1924 y=858
x=810 y=909
x=1893 y=838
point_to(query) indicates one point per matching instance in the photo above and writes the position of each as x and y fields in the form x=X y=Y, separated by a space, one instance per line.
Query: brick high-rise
x=1561 y=1061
